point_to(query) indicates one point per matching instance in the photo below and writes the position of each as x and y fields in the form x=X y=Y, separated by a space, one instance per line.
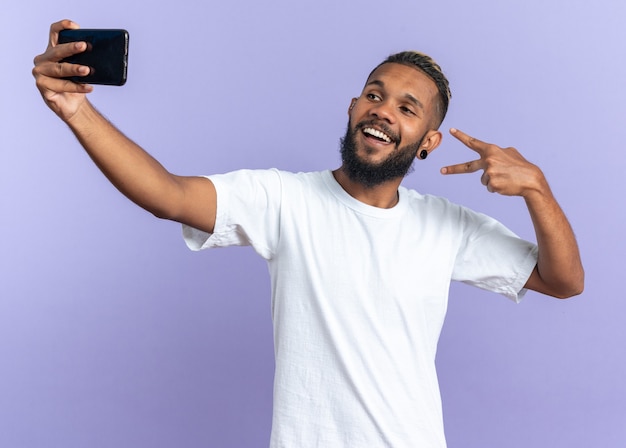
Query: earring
x=423 y=154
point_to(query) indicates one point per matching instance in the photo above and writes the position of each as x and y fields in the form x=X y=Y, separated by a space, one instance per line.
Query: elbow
x=567 y=294
x=569 y=284
x=163 y=213
x=159 y=209
x=574 y=287
x=160 y=213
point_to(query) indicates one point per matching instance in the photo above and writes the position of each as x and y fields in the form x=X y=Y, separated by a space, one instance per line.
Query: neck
x=384 y=195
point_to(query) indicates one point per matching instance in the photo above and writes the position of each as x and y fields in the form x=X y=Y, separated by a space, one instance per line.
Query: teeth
x=378 y=134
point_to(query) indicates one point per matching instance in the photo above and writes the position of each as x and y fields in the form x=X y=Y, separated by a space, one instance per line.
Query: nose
x=383 y=111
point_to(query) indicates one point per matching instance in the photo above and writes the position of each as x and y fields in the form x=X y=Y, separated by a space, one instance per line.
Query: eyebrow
x=407 y=96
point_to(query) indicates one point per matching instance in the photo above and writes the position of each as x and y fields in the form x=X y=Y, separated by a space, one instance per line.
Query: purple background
x=112 y=333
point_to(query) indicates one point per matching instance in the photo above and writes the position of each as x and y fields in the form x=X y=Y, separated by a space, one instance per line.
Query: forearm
x=190 y=200
x=559 y=268
x=130 y=169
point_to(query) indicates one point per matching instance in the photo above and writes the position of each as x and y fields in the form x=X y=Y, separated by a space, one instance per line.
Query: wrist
x=83 y=118
x=538 y=188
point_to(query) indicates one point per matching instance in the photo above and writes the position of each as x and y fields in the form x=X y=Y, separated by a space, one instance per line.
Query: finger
x=60 y=52
x=66 y=70
x=55 y=85
x=486 y=181
x=60 y=70
x=46 y=73
x=472 y=143
x=57 y=27
x=463 y=168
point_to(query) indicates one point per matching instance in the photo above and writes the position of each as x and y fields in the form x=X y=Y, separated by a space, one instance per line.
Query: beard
x=397 y=164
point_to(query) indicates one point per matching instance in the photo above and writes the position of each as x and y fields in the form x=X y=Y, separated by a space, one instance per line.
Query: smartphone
x=106 y=55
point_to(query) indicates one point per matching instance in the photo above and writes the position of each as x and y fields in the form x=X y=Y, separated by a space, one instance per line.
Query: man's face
x=388 y=124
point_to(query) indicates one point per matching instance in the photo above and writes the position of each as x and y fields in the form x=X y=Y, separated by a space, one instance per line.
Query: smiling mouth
x=377 y=134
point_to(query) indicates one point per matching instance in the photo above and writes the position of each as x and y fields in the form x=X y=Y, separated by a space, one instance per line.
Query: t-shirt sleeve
x=248 y=212
x=492 y=257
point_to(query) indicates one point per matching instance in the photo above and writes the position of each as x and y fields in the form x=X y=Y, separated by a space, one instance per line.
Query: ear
x=431 y=140
x=352 y=103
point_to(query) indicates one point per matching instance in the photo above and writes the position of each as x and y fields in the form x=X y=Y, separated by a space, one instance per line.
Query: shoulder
x=291 y=182
x=439 y=207
x=432 y=203
x=268 y=174
x=265 y=181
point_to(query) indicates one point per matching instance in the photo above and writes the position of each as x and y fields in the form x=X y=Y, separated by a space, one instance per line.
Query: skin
x=131 y=169
x=401 y=100
x=397 y=99
x=559 y=271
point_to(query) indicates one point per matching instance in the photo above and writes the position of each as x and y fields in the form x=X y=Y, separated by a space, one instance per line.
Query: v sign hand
x=559 y=271
x=505 y=170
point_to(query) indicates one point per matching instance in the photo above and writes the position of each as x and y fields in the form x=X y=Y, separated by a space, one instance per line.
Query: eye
x=373 y=97
x=407 y=110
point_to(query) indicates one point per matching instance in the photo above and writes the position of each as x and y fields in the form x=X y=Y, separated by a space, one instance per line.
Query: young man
x=360 y=266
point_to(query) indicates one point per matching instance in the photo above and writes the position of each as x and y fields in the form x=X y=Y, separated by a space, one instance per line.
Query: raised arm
x=559 y=271
x=140 y=177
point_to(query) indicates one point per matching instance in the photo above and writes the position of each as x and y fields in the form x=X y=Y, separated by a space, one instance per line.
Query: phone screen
x=106 y=55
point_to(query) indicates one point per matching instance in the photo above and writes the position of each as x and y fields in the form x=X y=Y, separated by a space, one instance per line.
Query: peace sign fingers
x=478 y=146
x=505 y=170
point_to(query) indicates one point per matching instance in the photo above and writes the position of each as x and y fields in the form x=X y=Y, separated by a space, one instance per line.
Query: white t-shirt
x=359 y=296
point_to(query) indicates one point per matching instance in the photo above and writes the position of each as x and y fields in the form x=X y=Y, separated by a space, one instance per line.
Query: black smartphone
x=106 y=55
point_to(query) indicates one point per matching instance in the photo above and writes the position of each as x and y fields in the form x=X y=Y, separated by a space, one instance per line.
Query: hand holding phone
x=106 y=55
